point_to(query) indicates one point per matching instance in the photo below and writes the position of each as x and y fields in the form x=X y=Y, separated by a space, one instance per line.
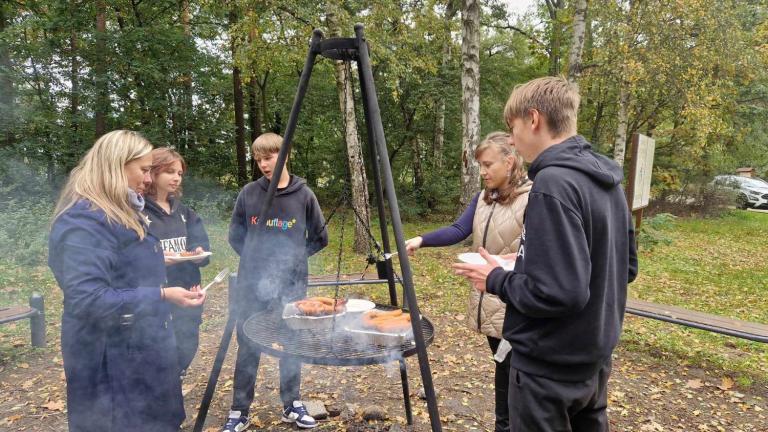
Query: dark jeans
x=501 y=386
x=247 y=367
x=186 y=328
x=544 y=405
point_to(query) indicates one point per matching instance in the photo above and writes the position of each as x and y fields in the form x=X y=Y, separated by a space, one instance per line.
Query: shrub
x=652 y=231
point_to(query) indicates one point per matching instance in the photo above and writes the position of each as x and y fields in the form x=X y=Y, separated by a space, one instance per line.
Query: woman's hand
x=412 y=244
x=181 y=297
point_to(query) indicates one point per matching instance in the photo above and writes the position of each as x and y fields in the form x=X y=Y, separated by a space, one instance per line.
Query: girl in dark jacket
x=179 y=229
x=118 y=348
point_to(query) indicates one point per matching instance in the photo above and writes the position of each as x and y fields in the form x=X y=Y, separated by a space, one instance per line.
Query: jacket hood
x=295 y=183
x=576 y=153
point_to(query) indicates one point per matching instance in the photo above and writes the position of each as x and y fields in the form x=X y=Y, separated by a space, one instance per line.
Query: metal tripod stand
x=347 y=49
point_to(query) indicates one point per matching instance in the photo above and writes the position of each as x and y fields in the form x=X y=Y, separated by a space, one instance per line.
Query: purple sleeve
x=455 y=233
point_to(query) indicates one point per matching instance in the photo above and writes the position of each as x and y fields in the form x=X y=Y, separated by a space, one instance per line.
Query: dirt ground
x=647 y=393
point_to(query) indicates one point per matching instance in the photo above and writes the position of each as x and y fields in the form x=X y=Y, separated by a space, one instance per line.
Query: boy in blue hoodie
x=271 y=274
x=566 y=297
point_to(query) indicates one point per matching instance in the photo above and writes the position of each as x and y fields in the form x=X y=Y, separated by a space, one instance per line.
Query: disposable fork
x=218 y=279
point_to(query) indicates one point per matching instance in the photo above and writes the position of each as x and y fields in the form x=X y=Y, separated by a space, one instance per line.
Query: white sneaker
x=297 y=413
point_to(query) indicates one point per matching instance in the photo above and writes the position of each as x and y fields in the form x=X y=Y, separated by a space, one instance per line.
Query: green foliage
x=712 y=265
x=652 y=231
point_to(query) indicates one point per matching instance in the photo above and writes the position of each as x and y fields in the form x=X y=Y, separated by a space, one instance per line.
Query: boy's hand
x=477 y=273
x=510 y=257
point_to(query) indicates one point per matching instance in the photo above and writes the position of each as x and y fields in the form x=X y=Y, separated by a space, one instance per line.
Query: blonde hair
x=554 y=97
x=100 y=178
x=518 y=175
x=266 y=144
x=162 y=159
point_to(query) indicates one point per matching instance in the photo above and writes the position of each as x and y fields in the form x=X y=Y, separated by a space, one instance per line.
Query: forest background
x=207 y=77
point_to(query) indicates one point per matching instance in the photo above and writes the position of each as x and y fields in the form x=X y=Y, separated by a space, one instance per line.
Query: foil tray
x=295 y=320
x=373 y=337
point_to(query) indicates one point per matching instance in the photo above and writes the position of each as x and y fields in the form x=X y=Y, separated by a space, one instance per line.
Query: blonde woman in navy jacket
x=118 y=347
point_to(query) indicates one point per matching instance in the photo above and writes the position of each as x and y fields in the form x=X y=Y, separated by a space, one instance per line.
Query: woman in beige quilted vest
x=494 y=219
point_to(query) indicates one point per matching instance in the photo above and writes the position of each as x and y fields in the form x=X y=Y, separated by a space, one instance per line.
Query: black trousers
x=186 y=328
x=501 y=388
x=538 y=404
x=247 y=367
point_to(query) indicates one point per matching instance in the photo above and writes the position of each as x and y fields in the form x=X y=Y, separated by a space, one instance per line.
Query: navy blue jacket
x=275 y=269
x=122 y=375
x=566 y=297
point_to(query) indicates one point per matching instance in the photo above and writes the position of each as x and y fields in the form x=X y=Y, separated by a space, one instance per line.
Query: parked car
x=751 y=192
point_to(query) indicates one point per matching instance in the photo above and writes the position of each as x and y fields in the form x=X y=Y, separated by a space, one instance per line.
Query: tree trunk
x=265 y=123
x=7 y=94
x=438 y=143
x=254 y=116
x=555 y=38
x=356 y=165
x=595 y=138
x=99 y=70
x=242 y=171
x=577 y=41
x=620 y=143
x=74 y=98
x=254 y=121
x=187 y=140
x=418 y=167
x=470 y=99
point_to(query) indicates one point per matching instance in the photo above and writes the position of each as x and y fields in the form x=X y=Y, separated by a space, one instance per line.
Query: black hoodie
x=180 y=230
x=566 y=297
x=295 y=230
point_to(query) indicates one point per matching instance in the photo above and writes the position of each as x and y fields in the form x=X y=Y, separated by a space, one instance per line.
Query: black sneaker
x=236 y=422
x=297 y=413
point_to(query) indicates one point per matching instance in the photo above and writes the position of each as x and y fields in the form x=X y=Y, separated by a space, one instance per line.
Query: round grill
x=325 y=347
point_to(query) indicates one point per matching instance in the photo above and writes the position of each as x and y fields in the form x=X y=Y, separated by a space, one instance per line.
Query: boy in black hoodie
x=271 y=274
x=566 y=297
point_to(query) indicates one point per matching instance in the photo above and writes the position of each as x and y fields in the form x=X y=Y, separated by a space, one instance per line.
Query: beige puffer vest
x=497 y=228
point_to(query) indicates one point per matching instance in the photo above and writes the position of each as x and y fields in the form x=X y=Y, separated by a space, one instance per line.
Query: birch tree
x=470 y=99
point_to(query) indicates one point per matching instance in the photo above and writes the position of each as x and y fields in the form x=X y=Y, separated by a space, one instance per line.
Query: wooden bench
x=718 y=324
x=36 y=314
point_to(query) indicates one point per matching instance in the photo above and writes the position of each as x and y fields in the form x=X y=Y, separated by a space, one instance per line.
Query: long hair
x=100 y=178
x=517 y=176
x=162 y=159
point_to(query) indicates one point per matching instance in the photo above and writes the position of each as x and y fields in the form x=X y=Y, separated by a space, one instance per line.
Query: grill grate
x=325 y=347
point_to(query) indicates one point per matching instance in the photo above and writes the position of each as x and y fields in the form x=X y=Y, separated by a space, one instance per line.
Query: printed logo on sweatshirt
x=521 y=249
x=276 y=223
x=177 y=245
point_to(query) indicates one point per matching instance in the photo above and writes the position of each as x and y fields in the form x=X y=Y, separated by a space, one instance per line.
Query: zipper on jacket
x=485 y=236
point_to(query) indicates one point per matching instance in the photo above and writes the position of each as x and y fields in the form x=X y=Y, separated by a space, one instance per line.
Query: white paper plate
x=180 y=258
x=359 y=305
x=476 y=258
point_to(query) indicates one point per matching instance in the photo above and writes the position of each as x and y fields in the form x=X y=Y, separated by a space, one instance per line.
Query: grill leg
x=210 y=388
x=406 y=392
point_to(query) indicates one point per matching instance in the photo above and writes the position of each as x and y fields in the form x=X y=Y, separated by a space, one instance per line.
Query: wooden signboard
x=640 y=170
